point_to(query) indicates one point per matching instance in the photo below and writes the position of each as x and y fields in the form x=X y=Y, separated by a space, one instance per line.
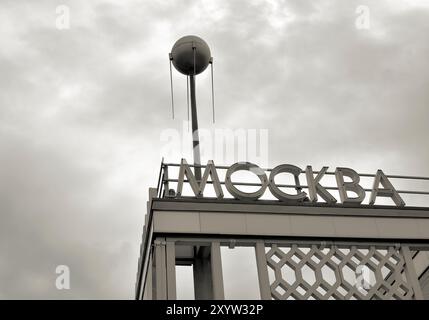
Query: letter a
x=63 y=20
x=63 y=280
x=388 y=191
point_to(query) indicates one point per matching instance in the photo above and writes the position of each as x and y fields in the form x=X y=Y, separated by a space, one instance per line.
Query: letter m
x=198 y=186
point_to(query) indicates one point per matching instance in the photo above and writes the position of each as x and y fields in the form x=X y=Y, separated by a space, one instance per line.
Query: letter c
x=279 y=194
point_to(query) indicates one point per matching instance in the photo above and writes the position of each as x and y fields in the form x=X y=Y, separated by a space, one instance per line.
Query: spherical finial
x=190 y=55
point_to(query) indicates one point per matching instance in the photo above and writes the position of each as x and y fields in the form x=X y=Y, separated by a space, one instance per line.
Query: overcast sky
x=82 y=111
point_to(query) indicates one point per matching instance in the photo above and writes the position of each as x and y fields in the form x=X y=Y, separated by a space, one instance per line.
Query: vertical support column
x=166 y=182
x=208 y=276
x=217 y=275
x=411 y=274
x=160 y=270
x=171 y=270
x=203 y=286
x=261 y=263
x=147 y=294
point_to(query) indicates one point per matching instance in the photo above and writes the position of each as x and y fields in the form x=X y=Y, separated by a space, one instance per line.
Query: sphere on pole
x=190 y=55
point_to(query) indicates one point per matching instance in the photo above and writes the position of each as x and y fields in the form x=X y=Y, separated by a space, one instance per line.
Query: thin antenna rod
x=171 y=86
x=213 y=104
x=187 y=97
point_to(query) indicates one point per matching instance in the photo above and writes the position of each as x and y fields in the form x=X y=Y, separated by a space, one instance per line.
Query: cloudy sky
x=83 y=110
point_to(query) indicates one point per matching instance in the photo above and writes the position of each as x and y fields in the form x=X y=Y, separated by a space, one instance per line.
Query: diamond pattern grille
x=336 y=273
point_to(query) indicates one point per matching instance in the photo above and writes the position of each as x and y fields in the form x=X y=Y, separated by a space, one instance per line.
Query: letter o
x=248 y=167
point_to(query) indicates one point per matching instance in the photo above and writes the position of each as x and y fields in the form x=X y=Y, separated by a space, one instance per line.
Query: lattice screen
x=332 y=272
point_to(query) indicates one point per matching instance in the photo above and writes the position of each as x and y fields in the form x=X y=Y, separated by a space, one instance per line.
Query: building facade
x=304 y=249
